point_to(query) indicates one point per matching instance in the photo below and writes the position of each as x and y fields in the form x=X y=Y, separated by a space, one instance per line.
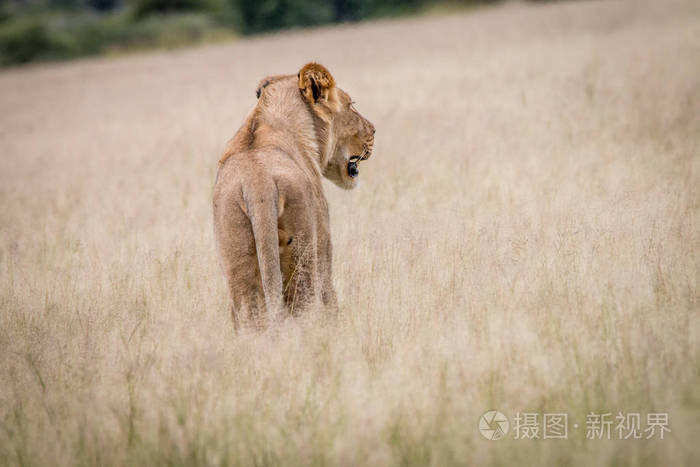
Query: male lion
x=270 y=213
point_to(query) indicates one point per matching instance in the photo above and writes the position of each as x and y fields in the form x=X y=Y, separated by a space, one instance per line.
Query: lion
x=271 y=218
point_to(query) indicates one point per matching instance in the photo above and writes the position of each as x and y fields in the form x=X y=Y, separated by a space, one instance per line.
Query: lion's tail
x=263 y=212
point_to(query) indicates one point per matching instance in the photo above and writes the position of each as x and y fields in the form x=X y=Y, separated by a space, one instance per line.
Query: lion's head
x=351 y=136
x=345 y=138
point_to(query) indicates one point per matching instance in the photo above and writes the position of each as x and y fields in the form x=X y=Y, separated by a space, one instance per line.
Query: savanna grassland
x=526 y=237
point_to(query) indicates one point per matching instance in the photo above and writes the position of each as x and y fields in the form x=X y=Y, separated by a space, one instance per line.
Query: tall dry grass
x=525 y=238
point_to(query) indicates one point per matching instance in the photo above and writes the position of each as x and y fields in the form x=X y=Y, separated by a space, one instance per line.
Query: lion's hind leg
x=248 y=310
x=239 y=262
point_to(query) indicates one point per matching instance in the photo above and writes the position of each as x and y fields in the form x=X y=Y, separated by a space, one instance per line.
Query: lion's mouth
x=353 y=169
x=354 y=161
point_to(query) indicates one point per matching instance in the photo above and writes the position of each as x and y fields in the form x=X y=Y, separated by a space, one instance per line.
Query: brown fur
x=270 y=213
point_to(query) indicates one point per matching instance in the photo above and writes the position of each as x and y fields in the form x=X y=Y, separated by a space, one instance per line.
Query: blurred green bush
x=57 y=29
x=25 y=40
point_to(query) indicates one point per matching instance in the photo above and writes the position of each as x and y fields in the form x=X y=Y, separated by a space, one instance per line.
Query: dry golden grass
x=526 y=237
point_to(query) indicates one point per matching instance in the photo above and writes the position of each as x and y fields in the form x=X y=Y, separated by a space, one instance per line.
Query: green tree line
x=57 y=29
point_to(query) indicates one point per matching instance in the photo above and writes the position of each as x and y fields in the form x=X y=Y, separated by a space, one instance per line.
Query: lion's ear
x=315 y=82
x=261 y=85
